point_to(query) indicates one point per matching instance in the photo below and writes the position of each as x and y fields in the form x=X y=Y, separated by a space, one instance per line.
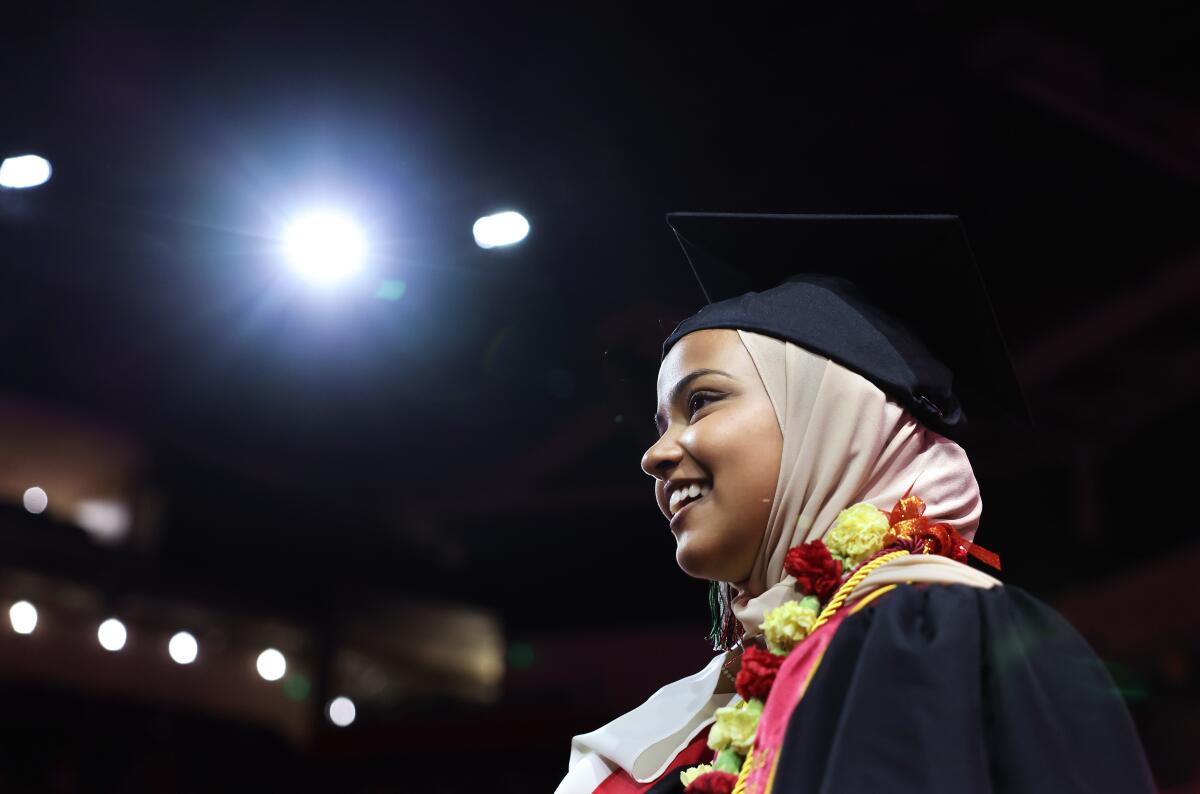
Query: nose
x=661 y=456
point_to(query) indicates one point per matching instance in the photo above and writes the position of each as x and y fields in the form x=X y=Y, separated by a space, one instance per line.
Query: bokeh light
x=341 y=711
x=520 y=654
x=27 y=170
x=271 y=665
x=35 y=499
x=23 y=616
x=104 y=520
x=503 y=228
x=183 y=648
x=297 y=686
x=112 y=635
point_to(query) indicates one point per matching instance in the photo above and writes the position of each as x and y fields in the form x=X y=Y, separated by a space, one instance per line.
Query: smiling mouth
x=683 y=510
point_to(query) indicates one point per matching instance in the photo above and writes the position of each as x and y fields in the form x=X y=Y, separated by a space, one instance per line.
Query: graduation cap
x=896 y=298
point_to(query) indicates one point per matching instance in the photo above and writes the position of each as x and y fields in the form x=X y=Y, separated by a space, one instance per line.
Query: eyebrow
x=659 y=418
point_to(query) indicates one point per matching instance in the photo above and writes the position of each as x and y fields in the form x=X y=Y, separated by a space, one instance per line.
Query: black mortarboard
x=896 y=298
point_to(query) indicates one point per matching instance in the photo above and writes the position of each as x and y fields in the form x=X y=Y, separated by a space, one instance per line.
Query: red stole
x=696 y=752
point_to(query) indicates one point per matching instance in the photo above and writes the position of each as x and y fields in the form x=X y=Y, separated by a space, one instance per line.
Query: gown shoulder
x=950 y=688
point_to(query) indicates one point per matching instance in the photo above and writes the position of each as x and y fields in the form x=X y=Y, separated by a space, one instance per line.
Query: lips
x=683 y=511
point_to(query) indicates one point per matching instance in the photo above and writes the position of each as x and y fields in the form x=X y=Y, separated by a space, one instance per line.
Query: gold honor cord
x=848 y=586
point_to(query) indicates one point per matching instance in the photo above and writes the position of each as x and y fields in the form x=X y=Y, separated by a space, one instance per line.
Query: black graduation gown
x=949 y=688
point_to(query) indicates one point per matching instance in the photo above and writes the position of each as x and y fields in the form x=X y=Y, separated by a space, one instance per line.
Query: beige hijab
x=845 y=442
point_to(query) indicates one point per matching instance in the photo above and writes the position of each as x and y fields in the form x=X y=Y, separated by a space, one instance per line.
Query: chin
x=702 y=563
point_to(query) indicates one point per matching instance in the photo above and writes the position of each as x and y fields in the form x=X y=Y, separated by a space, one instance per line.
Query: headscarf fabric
x=845 y=442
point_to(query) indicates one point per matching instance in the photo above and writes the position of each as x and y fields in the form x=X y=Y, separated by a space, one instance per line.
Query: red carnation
x=713 y=782
x=758 y=671
x=816 y=571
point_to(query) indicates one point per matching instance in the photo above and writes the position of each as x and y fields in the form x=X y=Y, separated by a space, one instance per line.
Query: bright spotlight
x=341 y=711
x=105 y=520
x=23 y=617
x=28 y=170
x=183 y=648
x=504 y=228
x=325 y=247
x=35 y=499
x=271 y=665
x=112 y=635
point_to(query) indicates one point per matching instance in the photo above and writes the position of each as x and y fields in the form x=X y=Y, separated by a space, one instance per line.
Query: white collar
x=644 y=741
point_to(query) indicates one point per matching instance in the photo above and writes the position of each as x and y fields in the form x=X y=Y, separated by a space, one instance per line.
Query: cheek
x=745 y=468
x=745 y=457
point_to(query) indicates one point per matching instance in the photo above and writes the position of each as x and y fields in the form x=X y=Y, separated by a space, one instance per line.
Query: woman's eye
x=702 y=397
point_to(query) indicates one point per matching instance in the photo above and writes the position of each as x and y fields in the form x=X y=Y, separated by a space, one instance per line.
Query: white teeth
x=683 y=494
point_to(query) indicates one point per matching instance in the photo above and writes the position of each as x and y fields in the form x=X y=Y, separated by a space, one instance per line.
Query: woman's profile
x=810 y=463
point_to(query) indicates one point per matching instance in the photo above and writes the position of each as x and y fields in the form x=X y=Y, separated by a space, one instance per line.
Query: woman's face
x=717 y=430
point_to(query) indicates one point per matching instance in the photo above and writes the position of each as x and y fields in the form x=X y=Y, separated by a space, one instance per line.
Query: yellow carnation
x=857 y=533
x=789 y=623
x=735 y=726
x=688 y=775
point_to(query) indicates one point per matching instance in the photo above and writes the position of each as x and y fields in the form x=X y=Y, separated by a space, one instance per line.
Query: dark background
x=322 y=461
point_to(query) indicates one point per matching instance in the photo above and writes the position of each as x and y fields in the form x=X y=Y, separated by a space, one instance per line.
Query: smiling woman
x=810 y=467
x=719 y=431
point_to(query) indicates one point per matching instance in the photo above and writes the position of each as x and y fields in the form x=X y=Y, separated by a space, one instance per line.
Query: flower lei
x=826 y=571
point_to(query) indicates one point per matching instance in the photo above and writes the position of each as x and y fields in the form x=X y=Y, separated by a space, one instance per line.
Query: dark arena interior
x=356 y=505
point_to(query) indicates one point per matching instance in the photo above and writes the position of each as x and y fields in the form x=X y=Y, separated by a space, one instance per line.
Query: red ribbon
x=909 y=527
x=979 y=552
